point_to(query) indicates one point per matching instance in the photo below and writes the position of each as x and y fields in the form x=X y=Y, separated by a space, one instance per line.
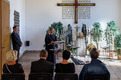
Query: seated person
x=42 y=66
x=95 y=67
x=65 y=66
x=11 y=66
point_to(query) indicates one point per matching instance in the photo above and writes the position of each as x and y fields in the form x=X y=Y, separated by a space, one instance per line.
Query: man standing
x=49 y=40
x=16 y=41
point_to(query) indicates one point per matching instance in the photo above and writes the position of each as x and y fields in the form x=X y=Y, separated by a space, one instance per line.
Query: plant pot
x=119 y=57
x=99 y=52
x=112 y=54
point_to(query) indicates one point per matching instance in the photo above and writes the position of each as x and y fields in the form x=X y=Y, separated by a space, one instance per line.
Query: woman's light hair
x=11 y=55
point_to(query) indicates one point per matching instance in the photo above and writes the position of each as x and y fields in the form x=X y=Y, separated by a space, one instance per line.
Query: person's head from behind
x=66 y=54
x=15 y=28
x=51 y=30
x=94 y=53
x=43 y=54
x=11 y=56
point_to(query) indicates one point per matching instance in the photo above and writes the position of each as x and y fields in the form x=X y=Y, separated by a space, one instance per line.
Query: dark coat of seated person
x=65 y=66
x=96 y=67
x=11 y=66
x=42 y=65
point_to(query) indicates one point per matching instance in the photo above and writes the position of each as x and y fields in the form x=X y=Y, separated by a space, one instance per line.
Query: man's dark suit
x=42 y=66
x=16 y=41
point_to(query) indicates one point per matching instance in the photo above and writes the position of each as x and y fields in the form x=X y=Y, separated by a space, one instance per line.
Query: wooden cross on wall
x=76 y=4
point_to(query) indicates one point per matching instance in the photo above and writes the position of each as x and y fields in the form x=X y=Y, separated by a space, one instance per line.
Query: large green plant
x=96 y=32
x=58 y=29
x=117 y=43
x=111 y=31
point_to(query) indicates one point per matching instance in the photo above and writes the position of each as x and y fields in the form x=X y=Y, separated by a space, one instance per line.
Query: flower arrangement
x=81 y=36
x=90 y=47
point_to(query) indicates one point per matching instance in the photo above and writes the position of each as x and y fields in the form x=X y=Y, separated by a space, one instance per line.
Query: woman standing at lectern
x=49 y=40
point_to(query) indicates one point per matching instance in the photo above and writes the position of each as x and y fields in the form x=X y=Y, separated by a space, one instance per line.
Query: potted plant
x=117 y=45
x=96 y=33
x=111 y=31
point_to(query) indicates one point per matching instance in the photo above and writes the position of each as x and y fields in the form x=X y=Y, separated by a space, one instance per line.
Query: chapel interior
x=79 y=28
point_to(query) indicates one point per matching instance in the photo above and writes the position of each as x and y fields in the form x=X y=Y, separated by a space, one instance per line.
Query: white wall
x=18 y=5
x=40 y=14
x=120 y=16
